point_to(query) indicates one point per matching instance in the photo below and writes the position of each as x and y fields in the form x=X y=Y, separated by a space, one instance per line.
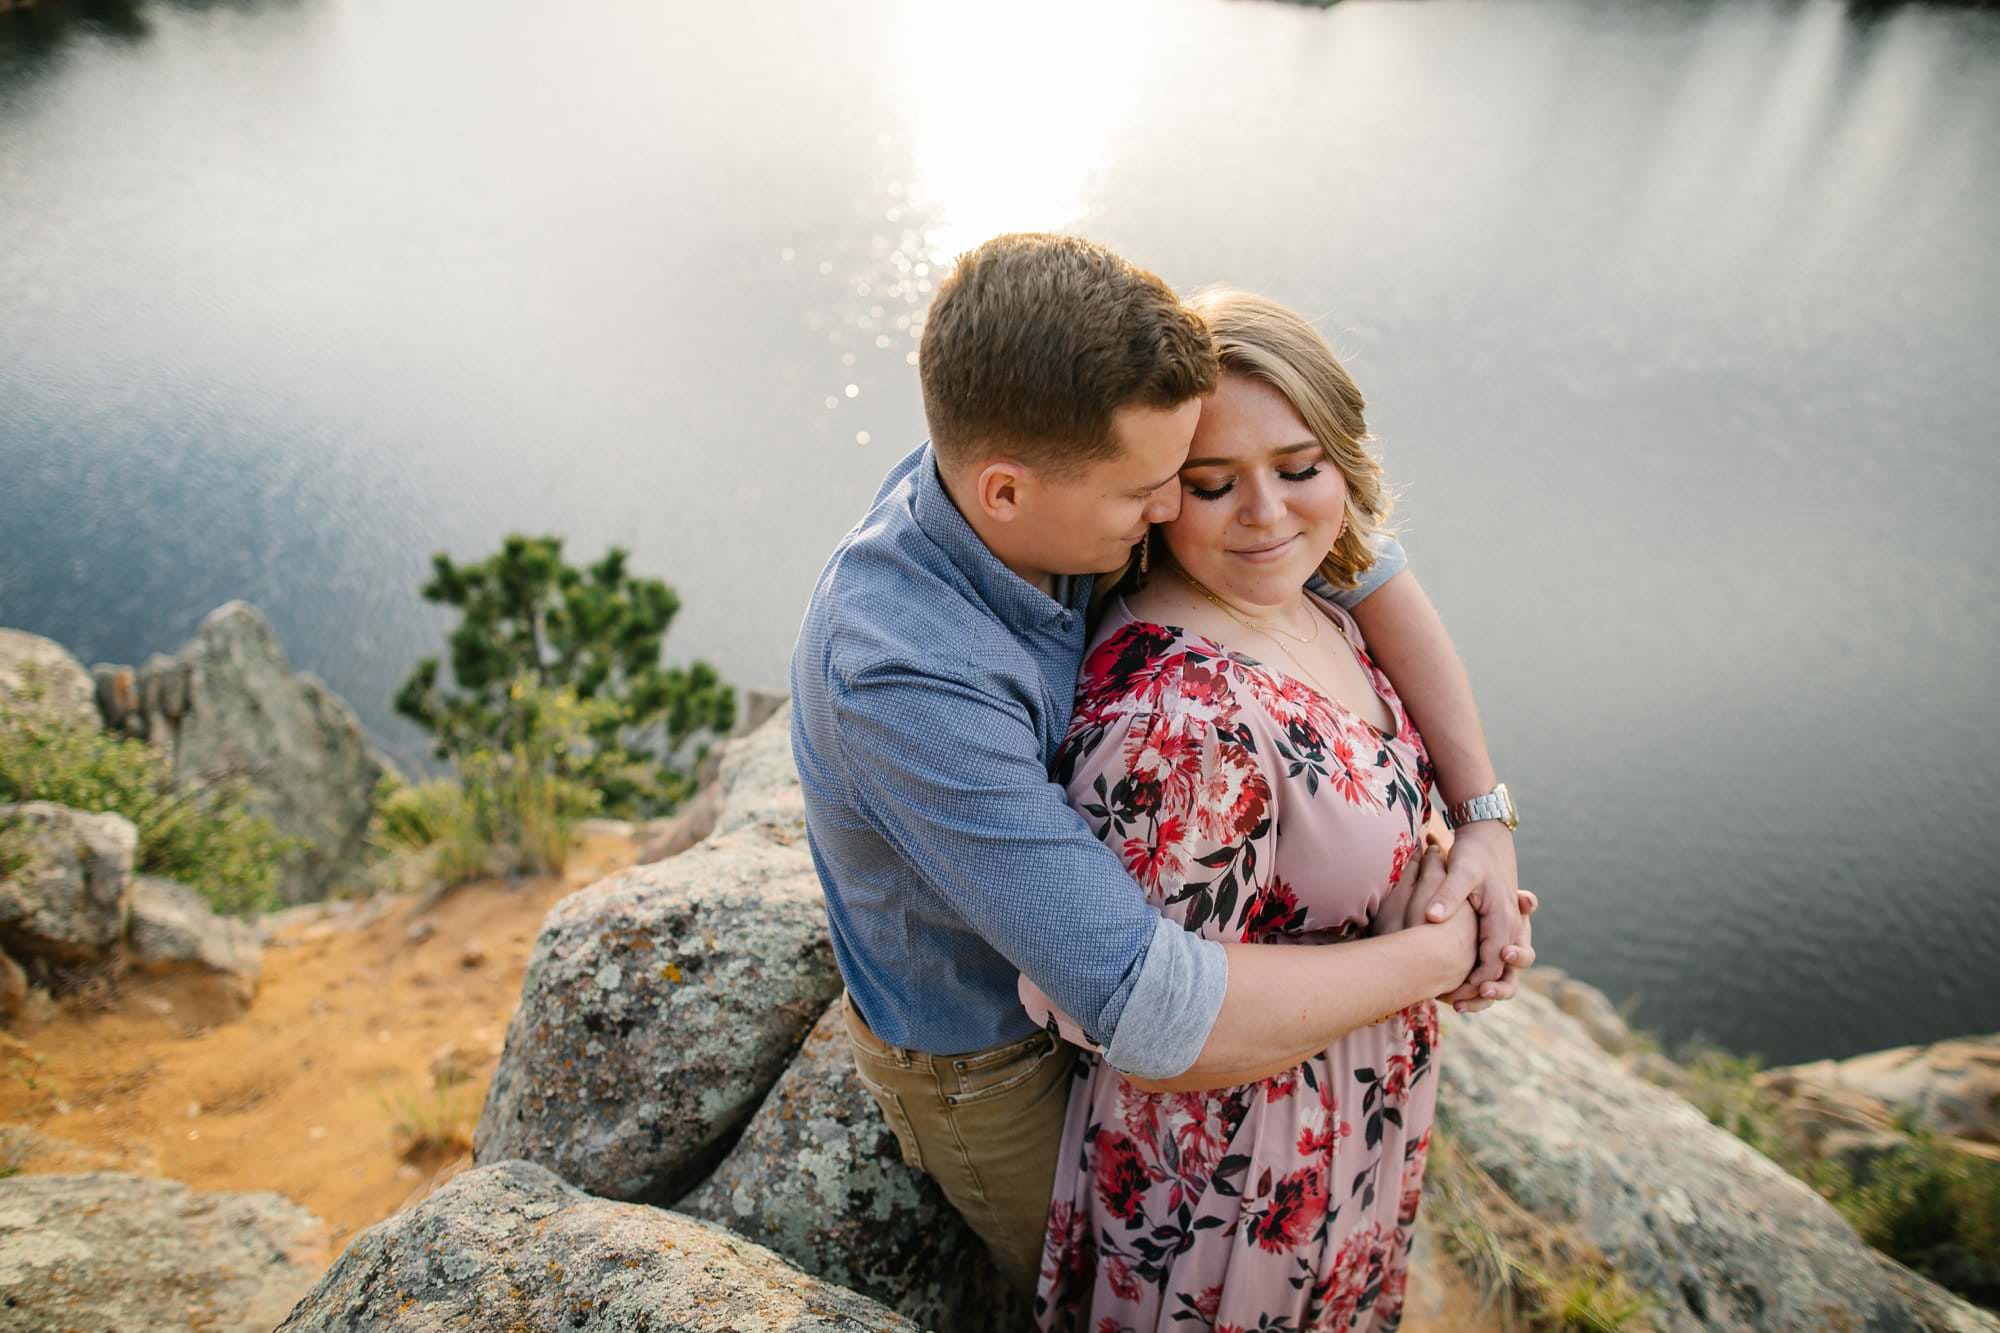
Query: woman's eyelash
x=1307 y=475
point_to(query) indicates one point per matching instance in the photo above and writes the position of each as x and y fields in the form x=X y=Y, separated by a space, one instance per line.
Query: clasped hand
x=1478 y=870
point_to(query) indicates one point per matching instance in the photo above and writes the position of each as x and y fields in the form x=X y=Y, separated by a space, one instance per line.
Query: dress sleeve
x=1184 y=796
x=952 y=778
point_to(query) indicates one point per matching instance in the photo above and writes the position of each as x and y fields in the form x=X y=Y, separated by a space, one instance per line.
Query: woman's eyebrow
x=1275 y=453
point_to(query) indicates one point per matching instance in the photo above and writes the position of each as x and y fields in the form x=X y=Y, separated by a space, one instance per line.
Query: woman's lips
x=1261 y=554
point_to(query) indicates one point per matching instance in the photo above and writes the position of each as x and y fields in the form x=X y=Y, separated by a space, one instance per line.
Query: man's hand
x=1481 y=871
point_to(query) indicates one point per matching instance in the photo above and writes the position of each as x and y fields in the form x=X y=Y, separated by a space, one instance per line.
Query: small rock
x=419 y=931
x=472 y=955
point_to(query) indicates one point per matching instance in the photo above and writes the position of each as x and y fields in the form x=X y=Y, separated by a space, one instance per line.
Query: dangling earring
x=1145 y=552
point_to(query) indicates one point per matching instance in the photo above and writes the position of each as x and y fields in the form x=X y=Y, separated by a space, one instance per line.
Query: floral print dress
x=1250 y=807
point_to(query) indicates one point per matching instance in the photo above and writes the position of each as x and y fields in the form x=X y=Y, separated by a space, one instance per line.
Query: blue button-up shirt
x=931 y=686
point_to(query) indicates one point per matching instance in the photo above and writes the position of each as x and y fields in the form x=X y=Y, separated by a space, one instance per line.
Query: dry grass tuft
x=1540 y=1278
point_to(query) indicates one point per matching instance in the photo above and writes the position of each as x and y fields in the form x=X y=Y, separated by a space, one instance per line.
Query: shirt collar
x=1020 y=605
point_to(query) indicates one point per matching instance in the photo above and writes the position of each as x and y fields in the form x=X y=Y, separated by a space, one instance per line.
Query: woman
x=1261 y=779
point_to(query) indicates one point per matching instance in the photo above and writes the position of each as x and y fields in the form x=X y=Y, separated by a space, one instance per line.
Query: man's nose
x=1165 y=504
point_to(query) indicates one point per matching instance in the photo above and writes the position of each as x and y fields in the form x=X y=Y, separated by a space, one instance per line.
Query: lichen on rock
x=510 y=1246
x=819 y=1178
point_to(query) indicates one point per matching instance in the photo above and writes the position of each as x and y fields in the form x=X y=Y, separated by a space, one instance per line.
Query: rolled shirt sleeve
x=951 y=776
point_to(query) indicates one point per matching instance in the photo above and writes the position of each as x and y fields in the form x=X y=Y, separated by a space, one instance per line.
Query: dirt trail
x=301 y=1095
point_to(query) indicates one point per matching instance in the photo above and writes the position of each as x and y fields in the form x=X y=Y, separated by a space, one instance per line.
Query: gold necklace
x=1230 y=611
x=1225 y=608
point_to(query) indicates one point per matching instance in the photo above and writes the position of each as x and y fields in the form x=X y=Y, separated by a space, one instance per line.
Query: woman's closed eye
x=1306 y=474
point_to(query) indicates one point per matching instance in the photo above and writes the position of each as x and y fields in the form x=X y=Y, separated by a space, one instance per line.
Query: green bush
x=1925 y=1204
x=204 y=837
x=1934 y=1209
x=510 y=810
x=532 y=628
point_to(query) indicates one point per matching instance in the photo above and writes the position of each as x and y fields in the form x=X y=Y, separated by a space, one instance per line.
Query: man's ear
x=1001 y=488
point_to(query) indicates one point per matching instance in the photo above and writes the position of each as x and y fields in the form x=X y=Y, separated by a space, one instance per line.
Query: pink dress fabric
x=1250 y=807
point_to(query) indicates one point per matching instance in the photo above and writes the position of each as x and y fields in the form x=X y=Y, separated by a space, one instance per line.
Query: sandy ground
x=314 y=1092
x=304 y=1093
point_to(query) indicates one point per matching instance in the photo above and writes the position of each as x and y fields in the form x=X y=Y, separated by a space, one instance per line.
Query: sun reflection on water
x=1014 y=113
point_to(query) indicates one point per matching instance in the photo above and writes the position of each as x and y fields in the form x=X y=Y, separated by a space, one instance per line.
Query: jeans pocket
x=997 y=1073
x=896 y=1117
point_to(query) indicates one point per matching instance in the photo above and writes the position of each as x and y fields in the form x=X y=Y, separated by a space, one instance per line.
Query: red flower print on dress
x=1354 y=1270
x=1164 y=754
x=1388 y=1305
x=1140 y=1110
x=1323 y=1139
x=1121 y=1175
x=1158 y=861
x=1201 y=1126
x=1274 y=911
x=1420 y=1020
x=1069 y=1251
x=1205 y=693
x=1280 y=1086
x=1232 y=802
x=1297 y=1204
x=1399 y=860
x=1118 y=1274
x=1128 y=666
x=1396 y=1078
x=1349 y=778
x=1413 y=1179
x=1291 y=702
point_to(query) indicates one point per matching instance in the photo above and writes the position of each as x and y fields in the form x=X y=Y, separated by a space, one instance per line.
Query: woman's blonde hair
x=1258 y=337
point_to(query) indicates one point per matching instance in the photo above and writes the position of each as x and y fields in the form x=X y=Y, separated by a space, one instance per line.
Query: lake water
x=1677 y=322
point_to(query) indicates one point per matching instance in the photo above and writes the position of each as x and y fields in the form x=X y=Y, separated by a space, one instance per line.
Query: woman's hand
x=1392 y=913
x=1482 y=872
x=1518 y=956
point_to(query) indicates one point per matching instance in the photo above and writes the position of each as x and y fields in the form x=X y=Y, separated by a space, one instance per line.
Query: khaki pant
x=985 y=1125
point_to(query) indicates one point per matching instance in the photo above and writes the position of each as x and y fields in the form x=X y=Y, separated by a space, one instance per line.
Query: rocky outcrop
x=1587 y=1005
x=110 y=1252
x=1712 y=1231
x=67 y=905
x=659 y=1007
x=659 y=839
x=172 y=932
x=760 y=785
x=230 y=705
x=662 y=1003
x=40 y=674
x=1949 y=1087
x=819 y=1178
x=510 y=1246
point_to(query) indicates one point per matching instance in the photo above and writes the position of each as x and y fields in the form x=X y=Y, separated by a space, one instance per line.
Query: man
x=932 y=684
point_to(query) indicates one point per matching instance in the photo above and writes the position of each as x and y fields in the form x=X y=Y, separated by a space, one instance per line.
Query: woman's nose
x=1262 y=505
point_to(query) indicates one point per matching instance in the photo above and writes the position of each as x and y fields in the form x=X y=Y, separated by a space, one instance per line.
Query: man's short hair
x=1036 y=339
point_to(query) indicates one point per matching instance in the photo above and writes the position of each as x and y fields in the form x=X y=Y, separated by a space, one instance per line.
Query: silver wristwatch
x=1495 y=804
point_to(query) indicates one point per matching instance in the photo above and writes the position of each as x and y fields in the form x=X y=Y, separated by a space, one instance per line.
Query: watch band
x=1496 y=804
